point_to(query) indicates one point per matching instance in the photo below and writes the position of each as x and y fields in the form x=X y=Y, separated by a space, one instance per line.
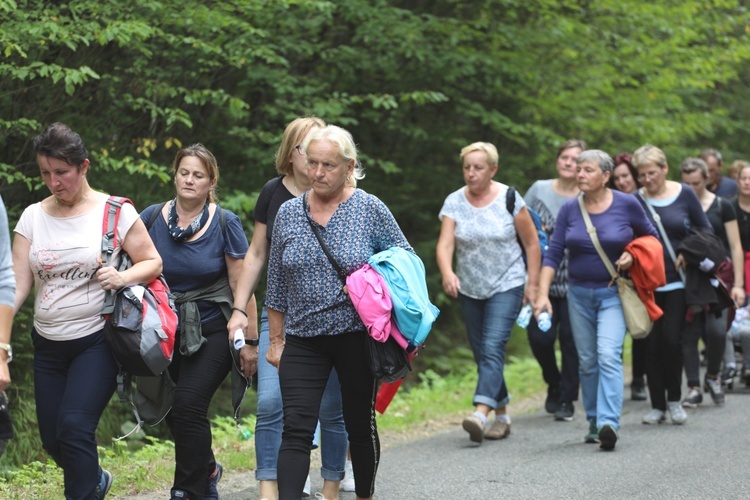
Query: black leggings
x=197 y=378
x=303 y=374
x=665 y=350
x=716 y=337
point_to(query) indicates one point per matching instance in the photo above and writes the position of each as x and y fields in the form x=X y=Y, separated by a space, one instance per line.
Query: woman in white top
x=490 y=277
x=57 y=249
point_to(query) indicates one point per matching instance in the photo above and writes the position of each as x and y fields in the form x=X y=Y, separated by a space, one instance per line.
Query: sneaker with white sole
x=347 y=484
x=676 y=413
x=655 y=416
x=474 y=426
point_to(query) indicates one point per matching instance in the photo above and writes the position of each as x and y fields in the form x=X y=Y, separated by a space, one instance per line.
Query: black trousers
x=197 y=378
x=543 y=346
x=664 y=353
x=303 y=373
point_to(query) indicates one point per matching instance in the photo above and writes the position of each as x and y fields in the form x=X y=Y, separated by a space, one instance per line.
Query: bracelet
x=240 y=310
x=739 y=286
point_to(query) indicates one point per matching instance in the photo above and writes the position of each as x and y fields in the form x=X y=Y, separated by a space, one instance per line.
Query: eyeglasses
x=648 y=175
x=299 y=150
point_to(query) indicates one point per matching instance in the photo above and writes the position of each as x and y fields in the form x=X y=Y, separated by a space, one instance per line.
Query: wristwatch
x=253 y=342
x=9 y=349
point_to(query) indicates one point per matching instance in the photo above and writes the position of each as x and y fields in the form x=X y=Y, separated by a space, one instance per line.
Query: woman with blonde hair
x=679 y=210
x=490 y=280
x=293 y=181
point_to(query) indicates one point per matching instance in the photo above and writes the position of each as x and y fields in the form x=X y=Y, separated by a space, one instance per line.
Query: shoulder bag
x=637 y=320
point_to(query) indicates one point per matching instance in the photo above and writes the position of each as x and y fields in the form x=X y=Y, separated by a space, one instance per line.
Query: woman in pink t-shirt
x=57 y=249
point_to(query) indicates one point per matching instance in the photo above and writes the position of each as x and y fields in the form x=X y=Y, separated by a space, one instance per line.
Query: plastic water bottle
x=524 y=316
x=544 y=321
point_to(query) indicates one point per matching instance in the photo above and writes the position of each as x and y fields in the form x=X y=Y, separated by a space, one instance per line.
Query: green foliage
x=414 y=82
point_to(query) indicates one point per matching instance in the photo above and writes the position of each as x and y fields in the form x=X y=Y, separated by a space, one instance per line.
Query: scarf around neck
x=182 y=234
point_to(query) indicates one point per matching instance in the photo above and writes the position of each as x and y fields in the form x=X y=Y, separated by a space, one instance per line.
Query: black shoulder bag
x=388 y=362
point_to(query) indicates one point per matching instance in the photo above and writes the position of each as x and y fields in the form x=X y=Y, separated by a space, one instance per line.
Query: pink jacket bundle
x=372 y=300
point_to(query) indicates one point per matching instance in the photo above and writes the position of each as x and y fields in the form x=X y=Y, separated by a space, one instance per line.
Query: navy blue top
x=303 y=283
x=189 y=265
x=727 y=187
x=678 y=215
x=617 y=226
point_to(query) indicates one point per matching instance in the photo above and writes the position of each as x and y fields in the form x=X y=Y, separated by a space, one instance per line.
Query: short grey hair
x=605 y=162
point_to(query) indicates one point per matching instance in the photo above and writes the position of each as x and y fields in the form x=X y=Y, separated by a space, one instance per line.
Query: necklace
x=77 y=208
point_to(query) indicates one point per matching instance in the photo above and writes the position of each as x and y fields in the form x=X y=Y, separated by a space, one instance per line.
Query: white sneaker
x=347 y=484
x=307 y=488
x=676 y=413
x=653 y=417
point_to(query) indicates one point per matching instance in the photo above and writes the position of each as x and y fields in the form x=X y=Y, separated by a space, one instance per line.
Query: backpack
x=141 y=320
x=541 y=231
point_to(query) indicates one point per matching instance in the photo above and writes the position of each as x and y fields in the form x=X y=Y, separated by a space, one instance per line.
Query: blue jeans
x=73 y=382
x=269 y=423
x=599 y=332
x=488 y=325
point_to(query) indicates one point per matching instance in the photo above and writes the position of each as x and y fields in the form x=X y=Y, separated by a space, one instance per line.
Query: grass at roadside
x=433 y=398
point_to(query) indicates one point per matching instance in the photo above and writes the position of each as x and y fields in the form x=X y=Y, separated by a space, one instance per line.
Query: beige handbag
x=637 y=320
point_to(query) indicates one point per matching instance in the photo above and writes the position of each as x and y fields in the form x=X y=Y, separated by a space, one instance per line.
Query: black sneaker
x=552 y=404
x=565 y=412
x=607 y=437
x=727 y=377
x=638 y=391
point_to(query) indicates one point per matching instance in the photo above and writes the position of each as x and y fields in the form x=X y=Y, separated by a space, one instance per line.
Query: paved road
x=708 y=457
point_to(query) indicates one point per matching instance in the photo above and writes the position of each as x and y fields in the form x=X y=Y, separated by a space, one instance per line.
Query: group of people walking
x=310 y=354
x=601 y=213
x=309 y=351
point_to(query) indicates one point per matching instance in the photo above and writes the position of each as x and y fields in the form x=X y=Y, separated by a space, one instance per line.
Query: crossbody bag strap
x=316 y=231
x=662 y=232
x=595 y=239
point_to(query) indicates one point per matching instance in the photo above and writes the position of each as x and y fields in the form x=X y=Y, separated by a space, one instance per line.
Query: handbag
x=636 y=315
x=388 y=361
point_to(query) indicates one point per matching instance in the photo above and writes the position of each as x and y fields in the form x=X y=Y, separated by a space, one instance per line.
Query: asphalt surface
x=707 y=457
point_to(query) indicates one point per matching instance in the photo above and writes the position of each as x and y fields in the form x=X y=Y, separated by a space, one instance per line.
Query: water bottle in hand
x=544 y=321
x=524 y=316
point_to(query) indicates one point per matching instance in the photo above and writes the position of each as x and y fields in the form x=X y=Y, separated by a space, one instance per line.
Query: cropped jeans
x=73 y=382
x=599 y=332
x=488 y=325
x=269 y=423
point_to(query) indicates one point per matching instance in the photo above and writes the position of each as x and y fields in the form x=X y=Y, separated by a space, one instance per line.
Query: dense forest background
x=414 y=81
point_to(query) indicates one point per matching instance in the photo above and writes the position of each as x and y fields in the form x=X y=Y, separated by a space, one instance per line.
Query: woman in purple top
x=594 y=306
x=679 y=210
